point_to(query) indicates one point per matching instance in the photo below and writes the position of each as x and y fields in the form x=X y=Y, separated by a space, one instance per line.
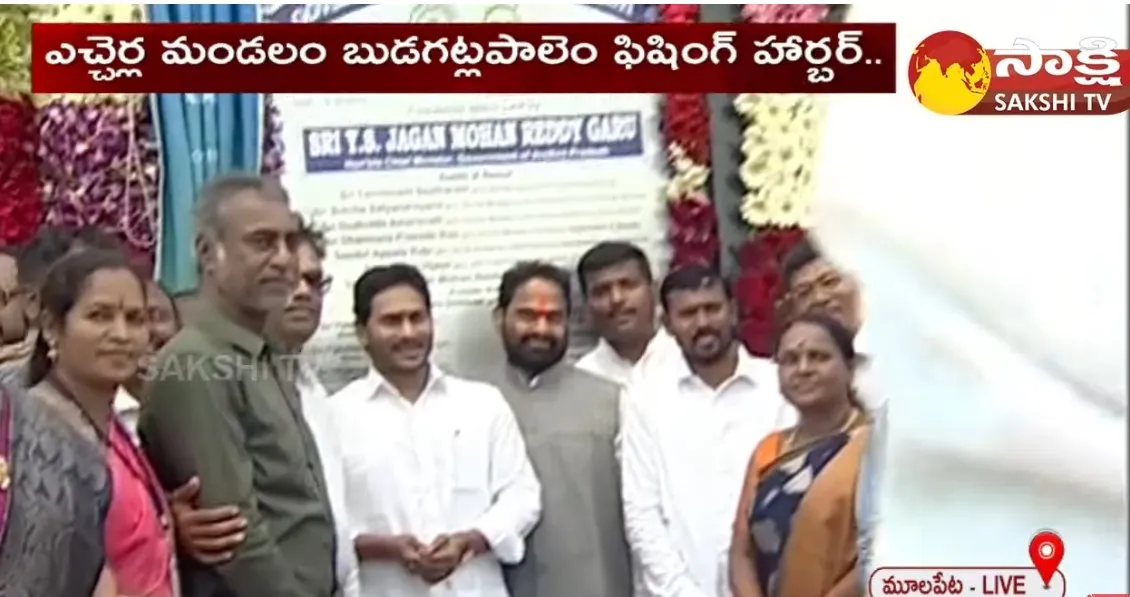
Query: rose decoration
x=693 y=235
x=686 y=121
x=678 y=13
x=99 y=165
x=685 y=125
x=761 y=286
x=768 y=246
x=21 y=209
x=784 y=13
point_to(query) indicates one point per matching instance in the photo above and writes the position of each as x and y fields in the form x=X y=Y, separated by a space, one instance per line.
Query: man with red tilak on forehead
x=570 y=419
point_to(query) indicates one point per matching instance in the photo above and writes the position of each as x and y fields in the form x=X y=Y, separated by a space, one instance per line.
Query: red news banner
x=472 y=58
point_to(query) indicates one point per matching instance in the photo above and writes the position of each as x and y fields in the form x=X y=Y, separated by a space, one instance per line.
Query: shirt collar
x=124 y=402
x=377 y=386
x=213 y=322
x=653 y=345
x=549 y=376
x=749 y=369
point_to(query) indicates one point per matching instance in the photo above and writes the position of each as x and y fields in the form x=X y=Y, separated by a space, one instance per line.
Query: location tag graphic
x=1046 y=551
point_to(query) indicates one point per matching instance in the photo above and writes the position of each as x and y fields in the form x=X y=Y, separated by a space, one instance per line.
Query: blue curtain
x=202 y=135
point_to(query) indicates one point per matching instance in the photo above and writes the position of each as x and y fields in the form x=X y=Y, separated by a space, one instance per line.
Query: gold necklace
x=791 y=443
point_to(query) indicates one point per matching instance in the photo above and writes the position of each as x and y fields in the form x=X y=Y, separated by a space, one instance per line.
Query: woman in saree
x=93 y=331
x=54 y=493
x=795 y=531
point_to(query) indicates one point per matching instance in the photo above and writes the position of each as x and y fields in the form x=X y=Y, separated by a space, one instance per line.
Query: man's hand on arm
x=209 y=536
x=190 y=426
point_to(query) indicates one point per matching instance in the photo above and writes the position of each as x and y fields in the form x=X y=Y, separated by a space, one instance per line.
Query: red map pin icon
x=1046 y=551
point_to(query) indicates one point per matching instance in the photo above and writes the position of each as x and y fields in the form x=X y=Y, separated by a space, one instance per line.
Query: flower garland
x=99 y=165
x=99 y=162
x=15 y=48
x=779 y=144
x=686 y=131
x=21 y=207
x=273 y=162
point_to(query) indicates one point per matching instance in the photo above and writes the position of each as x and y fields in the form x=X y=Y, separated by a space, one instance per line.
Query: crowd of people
x=146 y=456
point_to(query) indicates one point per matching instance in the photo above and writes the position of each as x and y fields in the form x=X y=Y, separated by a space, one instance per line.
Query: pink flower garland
x=686 y=130
x=99 y=165
x=784 y=13
x=759 y=286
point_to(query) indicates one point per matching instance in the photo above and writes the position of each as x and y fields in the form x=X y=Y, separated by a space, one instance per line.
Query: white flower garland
x=688 y=179
x=779 y=142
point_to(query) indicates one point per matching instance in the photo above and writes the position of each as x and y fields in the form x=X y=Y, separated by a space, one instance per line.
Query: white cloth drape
x=992 y=253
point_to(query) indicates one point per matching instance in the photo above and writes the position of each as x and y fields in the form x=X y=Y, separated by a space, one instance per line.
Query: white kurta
x=992 y=259
x=686 y=447
x=452 y=461
x=316 y=409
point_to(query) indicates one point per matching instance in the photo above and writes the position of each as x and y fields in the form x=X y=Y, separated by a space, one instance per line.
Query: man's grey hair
x=218 y=191
x=312 y=235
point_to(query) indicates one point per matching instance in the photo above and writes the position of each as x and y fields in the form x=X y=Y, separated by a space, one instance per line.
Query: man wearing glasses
x=210 y=535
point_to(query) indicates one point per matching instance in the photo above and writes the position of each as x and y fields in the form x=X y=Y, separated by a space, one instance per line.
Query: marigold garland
x=779 y=144
x=686 y=131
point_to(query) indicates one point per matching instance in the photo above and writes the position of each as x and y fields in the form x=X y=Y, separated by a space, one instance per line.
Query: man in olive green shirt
x=222 y=406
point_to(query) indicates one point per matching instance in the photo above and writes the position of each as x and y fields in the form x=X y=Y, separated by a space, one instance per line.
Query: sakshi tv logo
x=952 y=74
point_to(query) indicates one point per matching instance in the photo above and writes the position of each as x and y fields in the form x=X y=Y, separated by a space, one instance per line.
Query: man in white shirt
x=438 y=485
x=619 y=291
x=688 y=437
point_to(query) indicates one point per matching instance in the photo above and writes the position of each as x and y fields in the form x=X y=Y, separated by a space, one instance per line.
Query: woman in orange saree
x=795 y=532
